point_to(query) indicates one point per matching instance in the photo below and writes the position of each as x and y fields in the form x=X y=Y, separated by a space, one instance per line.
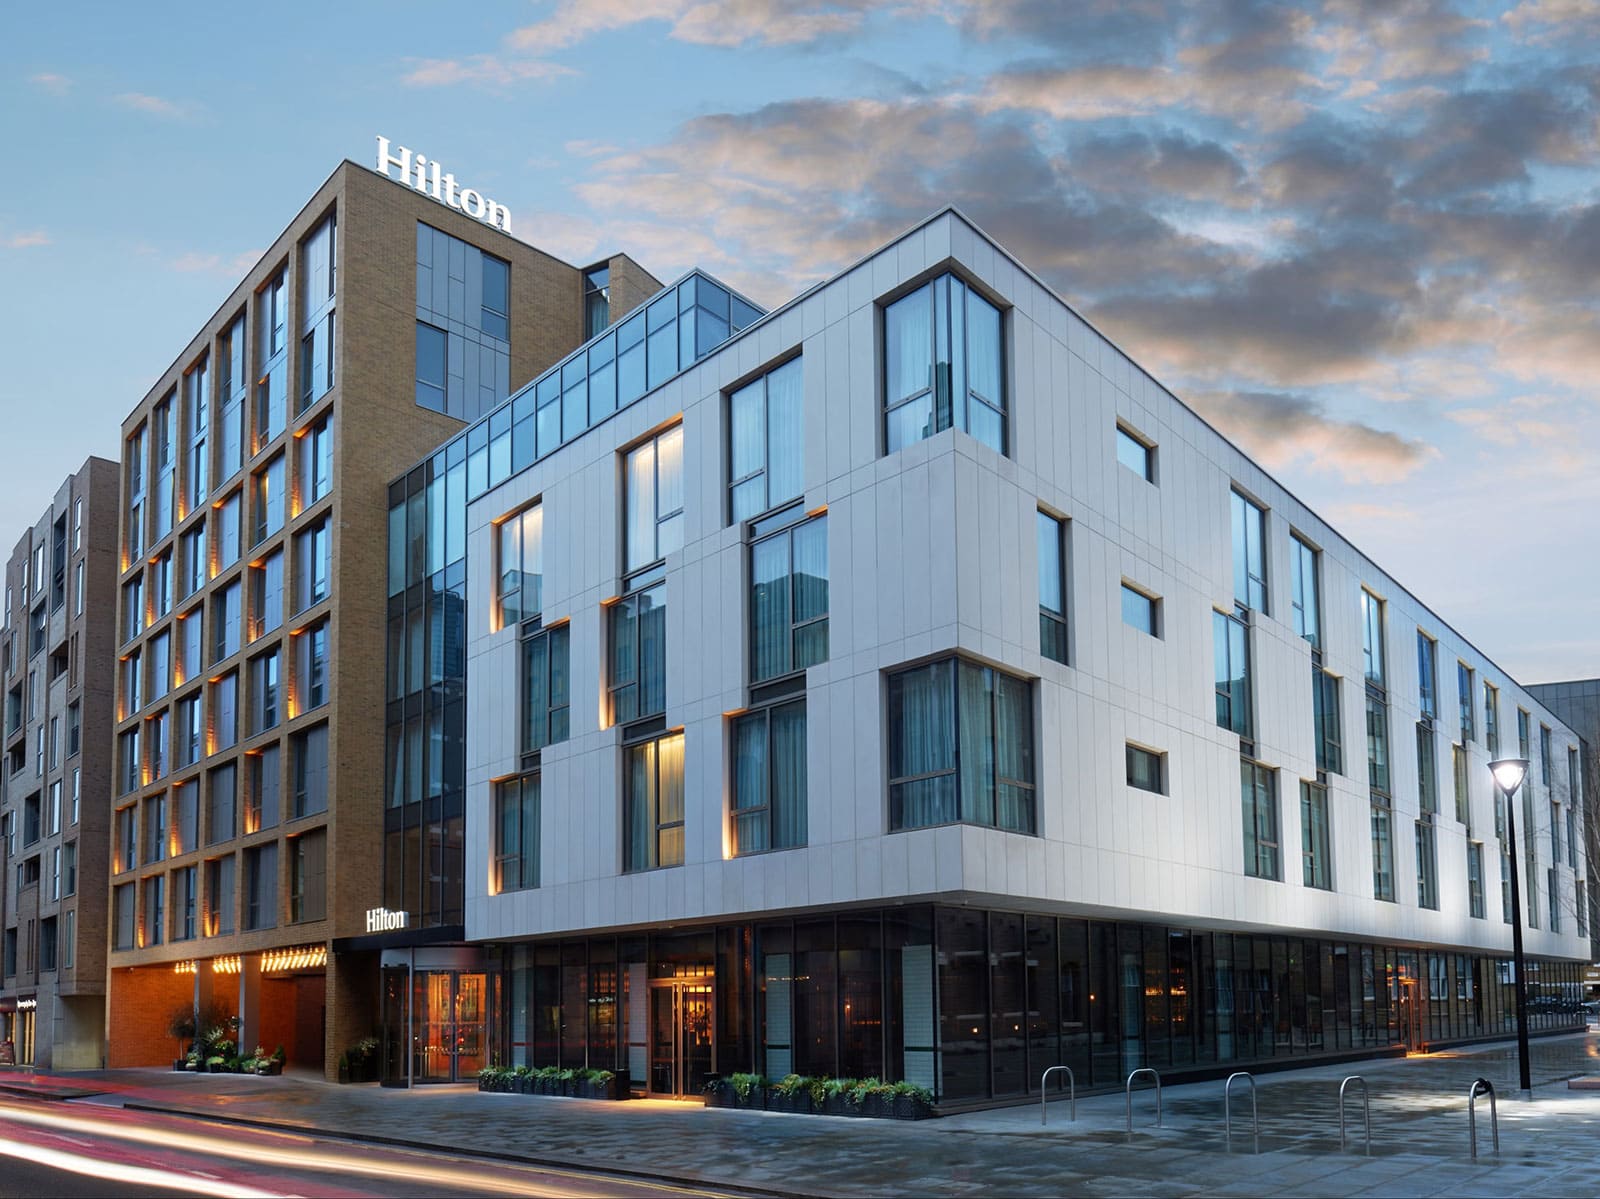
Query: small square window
x=1136 y=454
x=1146 y=769
x=1139 y=610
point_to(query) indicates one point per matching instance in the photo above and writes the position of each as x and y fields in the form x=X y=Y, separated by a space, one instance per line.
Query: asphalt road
x=53 y=1147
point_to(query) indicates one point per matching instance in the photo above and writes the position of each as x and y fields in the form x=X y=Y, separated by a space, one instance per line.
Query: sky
x=1362 y=239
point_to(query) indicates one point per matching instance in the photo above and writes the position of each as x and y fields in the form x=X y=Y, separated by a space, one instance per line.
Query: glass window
x=1475 y=904
x=1326 y=721
x=1382 y=852
x=272 y=386
x=494 y=316
x=1314 y=839
x=231 y=386
x=654 y=489
x=309 y=750
x=122 y=916
x=264 y=712
x=311 y=565
x=1378 y=745
x=546 y=695
x=222 y=804
x=520 y=549
x=960 y=747
x=1145 y=769
x=769 y=778
x=229 y=530
x=431 y=381
x=639 y=654
x=316 y=462
x=266 y=595
x=1306 y=596
x=1258 y=789
x=516 y=848
x=1427 y=769
x=1139 y=610
x=133 y=610
x=1458 y=766
x=1491 y=719
x=1052 y=537
x=1427 y=676
x=311 y=667
x=224 y=712
x=261 y=886
x=1135 y=454
x=789 y=600
x=652 y=803
x=1249 y=554
x=1372 y=637
x=226 y=607
x=266 y=500
x=308 y=877
x=1427 y=865
x=943 y=359
x=766 y=437
x=1465 y=694
x=1232 y=654
x=262 y=808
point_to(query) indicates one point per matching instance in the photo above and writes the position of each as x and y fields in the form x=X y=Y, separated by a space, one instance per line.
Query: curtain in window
x=747 y=449
x=908 y=345
x=639 y=774
x=922 y=739
x=532 y=523
x=750 y=774
x=669 y=497
x=789 y=776
x=1013 y=742
x=977 y=744
x=770 y=616
x=669 y=753
x=642 y=506
x=785 y=433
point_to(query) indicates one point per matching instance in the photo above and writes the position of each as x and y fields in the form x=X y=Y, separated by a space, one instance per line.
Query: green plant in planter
x=744 y=1084
x=279 y=1056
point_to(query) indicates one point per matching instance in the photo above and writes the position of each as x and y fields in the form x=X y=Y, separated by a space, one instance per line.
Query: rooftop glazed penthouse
x=910 y=686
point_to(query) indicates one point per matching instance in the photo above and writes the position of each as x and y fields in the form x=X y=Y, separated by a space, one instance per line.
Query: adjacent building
x=56 y=634
x=247 y=798
x=905 y=684
x=1577 y=703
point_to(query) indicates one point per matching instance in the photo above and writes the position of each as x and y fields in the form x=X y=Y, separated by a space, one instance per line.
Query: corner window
x=769 y=779
x=766 y=437
x=1052 y=536
x=1136 y=454
x=943 y=359
x=960 y=747
x=652 y=803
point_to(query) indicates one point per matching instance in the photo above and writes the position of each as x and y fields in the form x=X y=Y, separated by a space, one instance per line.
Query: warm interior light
x=1509 y=773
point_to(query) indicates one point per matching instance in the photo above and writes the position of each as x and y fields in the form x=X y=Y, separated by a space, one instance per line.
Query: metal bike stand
x=1227 y=1108
x=1366 y=1112
x=1128 y=1094
x=1482 y=1086
x=1072 y=1085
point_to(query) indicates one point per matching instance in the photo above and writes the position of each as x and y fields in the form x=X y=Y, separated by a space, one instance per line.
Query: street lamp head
x=1509 y=773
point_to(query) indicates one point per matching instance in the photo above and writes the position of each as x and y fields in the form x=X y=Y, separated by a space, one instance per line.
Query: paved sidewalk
x=1419 y=1127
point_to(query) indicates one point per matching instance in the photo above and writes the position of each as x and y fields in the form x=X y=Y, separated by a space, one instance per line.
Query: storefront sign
x=426 y=176
x=382 y=920
x=27 y=1005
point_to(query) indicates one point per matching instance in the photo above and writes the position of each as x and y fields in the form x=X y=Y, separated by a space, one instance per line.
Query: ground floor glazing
x=974 y=1004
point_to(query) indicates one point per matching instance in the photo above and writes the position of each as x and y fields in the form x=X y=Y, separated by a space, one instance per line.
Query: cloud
x=1279 y=428
x=27 y=240
x=156 y=106
x=51 y=82
x=1545 y=21
x=230 y=266
x=490 y=69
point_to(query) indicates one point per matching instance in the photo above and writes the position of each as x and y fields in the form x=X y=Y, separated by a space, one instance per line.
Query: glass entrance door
x=448 y=1025
x=681 y=1046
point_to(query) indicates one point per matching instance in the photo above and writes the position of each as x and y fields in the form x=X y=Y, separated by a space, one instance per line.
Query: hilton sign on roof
x=428 y=177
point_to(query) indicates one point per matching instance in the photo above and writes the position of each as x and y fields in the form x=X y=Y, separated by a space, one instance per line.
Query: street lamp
x=1508 y=775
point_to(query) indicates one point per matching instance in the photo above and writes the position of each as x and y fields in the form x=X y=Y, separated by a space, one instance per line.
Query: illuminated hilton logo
x=426 y=176
x=382 y=920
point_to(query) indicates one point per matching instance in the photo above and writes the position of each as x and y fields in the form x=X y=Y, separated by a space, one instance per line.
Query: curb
x=561 y=1163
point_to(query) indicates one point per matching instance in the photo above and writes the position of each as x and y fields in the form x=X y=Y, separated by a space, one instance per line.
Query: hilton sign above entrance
x=428 y=177
x=382 y=920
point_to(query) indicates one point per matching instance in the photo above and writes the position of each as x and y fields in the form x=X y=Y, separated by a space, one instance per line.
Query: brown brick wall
x=631 y=285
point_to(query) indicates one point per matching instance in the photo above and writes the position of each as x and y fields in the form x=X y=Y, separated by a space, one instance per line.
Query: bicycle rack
x=1227 y=1108
x=1366 y=1112
x=1128 y=1094
x=1481 y=1086
x=1072 y=1084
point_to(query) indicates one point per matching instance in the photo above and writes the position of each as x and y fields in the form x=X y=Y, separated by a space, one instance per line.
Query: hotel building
x=55 y=631
x=904 y=683
x=247 y=794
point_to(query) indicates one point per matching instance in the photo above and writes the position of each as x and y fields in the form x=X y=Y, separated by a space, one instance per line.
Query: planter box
x=798 y=1104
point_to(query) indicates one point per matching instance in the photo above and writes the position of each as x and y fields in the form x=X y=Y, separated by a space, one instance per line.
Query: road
x=51 y=1147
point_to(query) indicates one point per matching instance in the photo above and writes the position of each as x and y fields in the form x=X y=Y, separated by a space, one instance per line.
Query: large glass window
x=943 y=366
x=264 y=708
x=1475 y=904
x=1306 y=596
x=318 y=284
x=308 y=877
x=310 y=761
x=516 y=822
x=960 y=747
x=232 y=384
x=1491 y=719
x=261 y=886
x=1232 y=654
x=639 y=654
x=766 y=438
x=1052 y=537
x=226 y=614
x=1427 y=769
x=520 y=549
x=266 y=500
x=229 y=530
x=1458 y=765
x=197 y=427
x=652 y=803
x=224 y=711
x=1258 y=792
x=311 y=667
x=1427 y=676
x=769 y=778
x=316 y=462
x=1326 y=722
x=311 y=565
x=222 y=804
x=1314 y=840
x=272 y=383
x=431 y=352
x=266 y=595
x=1372 y=637
x=1382 y=851
x=262 y=808
x=654 y=490
x=1427 y=865
x=546 y=695
x=1249 y=553
x=1466 y=693
x=1378 y=745
x=789 y=600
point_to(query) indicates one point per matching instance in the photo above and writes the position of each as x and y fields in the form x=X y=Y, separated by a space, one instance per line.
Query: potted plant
x=791 y=1093
x=910 y=1102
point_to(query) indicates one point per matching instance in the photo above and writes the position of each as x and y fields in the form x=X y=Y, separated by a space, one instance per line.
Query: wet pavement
x=1418 y=1108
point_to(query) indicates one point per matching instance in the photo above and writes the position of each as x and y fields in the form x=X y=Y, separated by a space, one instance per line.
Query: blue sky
x=1361 y=238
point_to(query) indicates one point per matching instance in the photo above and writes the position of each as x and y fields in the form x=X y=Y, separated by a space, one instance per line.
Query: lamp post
x=1508 y=775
